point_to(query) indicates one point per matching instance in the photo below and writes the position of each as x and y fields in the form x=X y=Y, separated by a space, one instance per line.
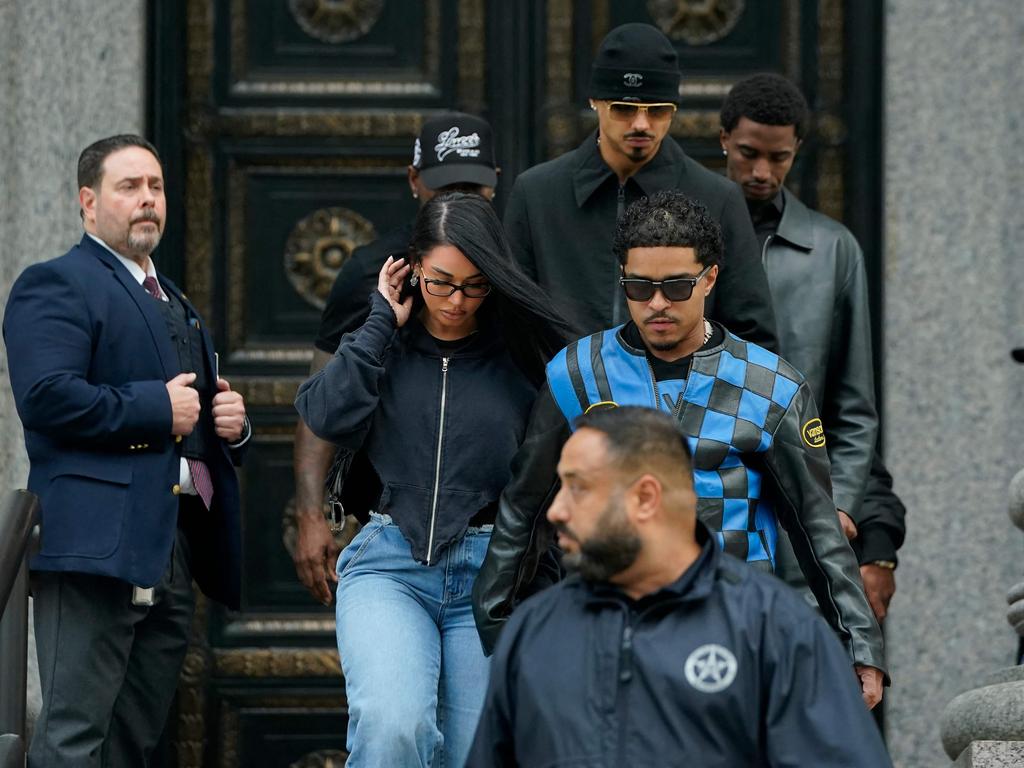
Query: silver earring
x=415 y=195
x=725 y=152
x=414 y=280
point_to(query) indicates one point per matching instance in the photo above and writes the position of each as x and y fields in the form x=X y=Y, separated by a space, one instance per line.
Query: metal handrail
x=18 y=517
x=12 y=751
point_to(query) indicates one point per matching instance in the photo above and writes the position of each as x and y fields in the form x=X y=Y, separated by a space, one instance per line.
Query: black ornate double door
x=287 y=126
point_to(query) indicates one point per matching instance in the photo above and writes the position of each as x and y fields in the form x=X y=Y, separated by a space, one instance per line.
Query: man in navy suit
x=132 y=437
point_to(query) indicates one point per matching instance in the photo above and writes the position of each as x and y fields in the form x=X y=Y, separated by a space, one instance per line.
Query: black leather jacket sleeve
x=520 y=538
x=848 y=407
x=806 y=510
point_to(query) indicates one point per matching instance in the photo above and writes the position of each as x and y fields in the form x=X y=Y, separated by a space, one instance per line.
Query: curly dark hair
x=669 y=218
x=769 y=99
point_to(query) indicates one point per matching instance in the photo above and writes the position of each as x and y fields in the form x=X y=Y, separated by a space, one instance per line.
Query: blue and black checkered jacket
x=730 y=406
x=758 y=455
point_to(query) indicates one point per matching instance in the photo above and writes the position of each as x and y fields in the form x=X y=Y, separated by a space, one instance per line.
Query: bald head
x=643 y=441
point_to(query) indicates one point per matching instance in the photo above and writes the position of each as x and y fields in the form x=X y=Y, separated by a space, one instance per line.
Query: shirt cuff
x=874 y=543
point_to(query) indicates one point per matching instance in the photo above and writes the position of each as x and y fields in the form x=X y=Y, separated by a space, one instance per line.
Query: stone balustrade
x=984 y=727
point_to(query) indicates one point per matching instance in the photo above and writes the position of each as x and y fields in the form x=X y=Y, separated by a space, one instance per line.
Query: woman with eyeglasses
x=434 y=390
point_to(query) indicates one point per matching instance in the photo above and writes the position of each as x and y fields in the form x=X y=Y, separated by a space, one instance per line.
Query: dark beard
x=609 y=552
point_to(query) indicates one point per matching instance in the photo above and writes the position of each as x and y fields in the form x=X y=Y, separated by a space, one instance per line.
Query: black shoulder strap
x=572 y=364
x=604 y=391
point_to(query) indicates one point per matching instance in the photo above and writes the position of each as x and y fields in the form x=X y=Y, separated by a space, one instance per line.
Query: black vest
x=188 y=342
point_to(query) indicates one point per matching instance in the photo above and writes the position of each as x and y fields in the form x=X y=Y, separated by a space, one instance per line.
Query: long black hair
x=532 y=331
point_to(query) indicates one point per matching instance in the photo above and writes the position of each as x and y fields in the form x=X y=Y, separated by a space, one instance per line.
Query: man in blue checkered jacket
x=757 y=442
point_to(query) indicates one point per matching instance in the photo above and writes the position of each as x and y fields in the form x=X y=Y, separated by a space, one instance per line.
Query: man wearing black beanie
x=561 y=215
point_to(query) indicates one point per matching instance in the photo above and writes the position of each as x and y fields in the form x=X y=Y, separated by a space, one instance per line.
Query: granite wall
x=71 y=72
x=954 y=273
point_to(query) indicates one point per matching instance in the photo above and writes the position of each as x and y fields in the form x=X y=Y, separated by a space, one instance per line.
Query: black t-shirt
x=664 y=370
x=348 y=303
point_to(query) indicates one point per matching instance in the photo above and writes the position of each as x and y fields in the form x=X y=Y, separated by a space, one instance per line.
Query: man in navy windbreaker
x=661 y=650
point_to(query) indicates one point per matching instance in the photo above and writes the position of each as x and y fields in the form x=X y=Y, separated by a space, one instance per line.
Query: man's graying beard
x=612 y=549
x=143 y=243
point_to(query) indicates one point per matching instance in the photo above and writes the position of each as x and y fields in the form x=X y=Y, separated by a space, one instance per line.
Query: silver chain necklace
x=707 y=331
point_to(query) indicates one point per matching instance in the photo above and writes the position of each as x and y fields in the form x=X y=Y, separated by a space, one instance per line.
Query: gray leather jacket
x=819 y=288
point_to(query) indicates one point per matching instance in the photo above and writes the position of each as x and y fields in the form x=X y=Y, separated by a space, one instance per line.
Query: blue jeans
x=415 y=672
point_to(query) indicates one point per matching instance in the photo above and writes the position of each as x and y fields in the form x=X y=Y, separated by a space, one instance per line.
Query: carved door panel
x=286 y=127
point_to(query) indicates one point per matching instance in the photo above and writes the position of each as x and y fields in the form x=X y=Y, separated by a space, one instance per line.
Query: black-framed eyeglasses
x=437 y=287
x=673 y=289
x=627 y=110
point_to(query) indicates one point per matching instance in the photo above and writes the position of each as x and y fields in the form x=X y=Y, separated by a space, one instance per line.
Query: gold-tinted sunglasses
x=627 y=110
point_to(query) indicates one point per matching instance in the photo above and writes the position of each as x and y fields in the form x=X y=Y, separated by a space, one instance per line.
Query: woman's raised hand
x=389 y=283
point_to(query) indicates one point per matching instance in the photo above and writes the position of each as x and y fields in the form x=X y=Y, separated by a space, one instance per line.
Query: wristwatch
x=889 y=565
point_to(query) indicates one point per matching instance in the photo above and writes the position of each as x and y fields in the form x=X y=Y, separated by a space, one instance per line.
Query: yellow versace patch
x=814 y=434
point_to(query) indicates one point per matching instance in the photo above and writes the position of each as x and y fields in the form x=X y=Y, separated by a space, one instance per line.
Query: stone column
x=954 y=400
x=71 y=72
x=984 y=727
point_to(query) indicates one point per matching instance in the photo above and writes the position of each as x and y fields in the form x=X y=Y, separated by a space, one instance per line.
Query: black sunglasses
x=444 y=288
x=674 y=289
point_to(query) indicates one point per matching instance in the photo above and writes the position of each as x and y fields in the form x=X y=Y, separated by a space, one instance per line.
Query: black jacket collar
x=591 y=172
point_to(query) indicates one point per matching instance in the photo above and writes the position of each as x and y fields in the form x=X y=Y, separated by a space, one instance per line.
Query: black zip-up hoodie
x=439 y=422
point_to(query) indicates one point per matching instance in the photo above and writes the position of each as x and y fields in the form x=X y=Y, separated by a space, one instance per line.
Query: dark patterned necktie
x=197 y=467
x=151 y=286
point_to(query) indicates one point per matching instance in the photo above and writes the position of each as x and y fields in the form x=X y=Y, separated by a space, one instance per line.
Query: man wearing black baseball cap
x=454 y=151
x=561 y=214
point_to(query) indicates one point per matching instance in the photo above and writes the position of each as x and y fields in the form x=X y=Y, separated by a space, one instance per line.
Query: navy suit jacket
x=89 y=354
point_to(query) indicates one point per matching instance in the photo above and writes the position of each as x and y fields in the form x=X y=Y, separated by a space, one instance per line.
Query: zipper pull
x=444 y=365
x=626 y=655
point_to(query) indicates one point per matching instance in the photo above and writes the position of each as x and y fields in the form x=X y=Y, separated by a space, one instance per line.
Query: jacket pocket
x=83 y=514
